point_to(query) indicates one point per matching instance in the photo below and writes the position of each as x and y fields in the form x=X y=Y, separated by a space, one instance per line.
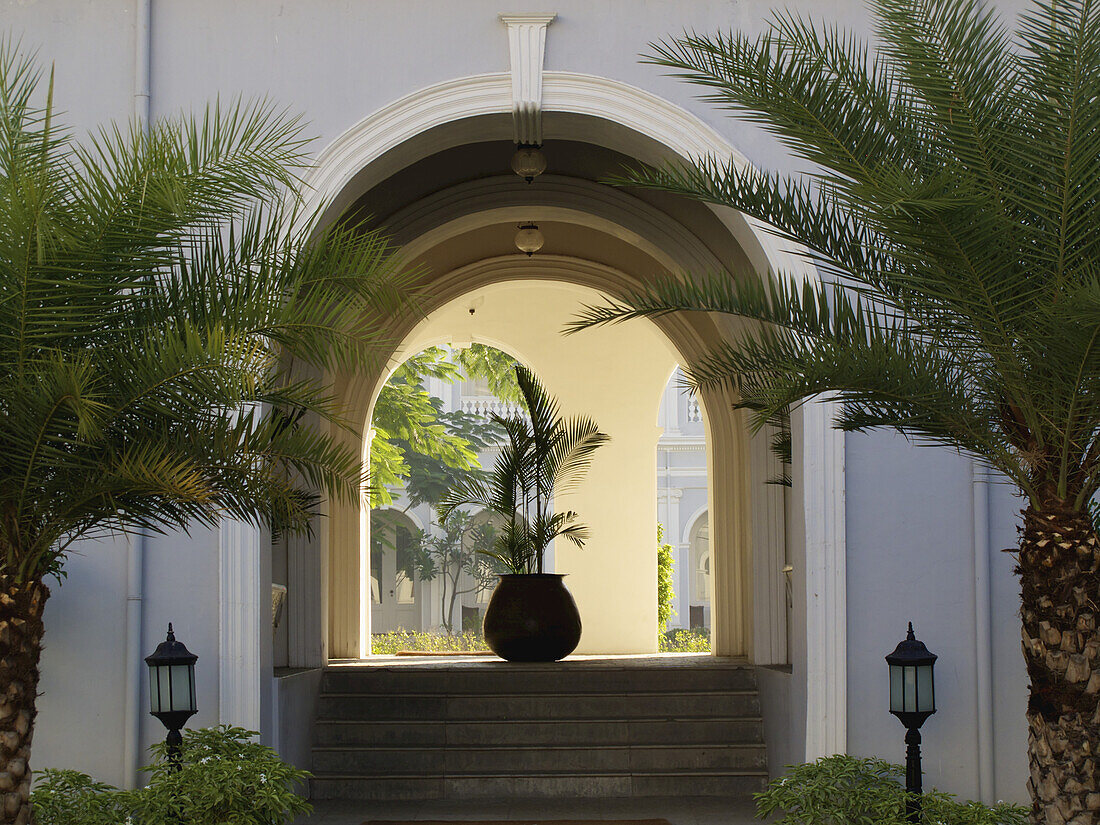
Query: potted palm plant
x=531 y=615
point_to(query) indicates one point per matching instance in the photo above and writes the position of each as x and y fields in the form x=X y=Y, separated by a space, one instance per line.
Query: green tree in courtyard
x=407 y=423
x=157 y=287
x=952 y=203
x=457 y=557
x=418 y=445
x=497 y=368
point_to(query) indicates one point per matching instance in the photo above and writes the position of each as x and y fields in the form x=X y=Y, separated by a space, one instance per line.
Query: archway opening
x=434 y=429
x=682 y=504
x=616 y=377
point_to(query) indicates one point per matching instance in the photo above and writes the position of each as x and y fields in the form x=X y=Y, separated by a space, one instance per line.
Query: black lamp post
x=912 y=700
x=172 y=690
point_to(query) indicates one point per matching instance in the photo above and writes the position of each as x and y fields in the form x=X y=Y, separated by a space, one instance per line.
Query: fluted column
x=241 y=620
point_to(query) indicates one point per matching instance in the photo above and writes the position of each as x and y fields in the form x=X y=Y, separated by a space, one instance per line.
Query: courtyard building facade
x=418 y=107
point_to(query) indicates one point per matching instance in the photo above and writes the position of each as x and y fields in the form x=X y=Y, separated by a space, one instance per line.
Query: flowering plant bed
x=422 y=643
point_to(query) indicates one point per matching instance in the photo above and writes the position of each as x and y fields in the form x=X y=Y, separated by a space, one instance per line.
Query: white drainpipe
x=135 y=549
x=983 y=638
x=135 y=576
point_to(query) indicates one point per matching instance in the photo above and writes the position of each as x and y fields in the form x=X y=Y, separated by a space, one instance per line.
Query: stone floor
x=697 y=811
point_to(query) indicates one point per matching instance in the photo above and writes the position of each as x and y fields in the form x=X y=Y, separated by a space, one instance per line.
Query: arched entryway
x=417 y=158
x=616 y=375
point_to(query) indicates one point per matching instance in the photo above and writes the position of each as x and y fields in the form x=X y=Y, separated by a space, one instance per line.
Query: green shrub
x=682 y=640
x=225 y=779
x=666 y=590
x=468 y=641
x=845 y=790
x=72 y=798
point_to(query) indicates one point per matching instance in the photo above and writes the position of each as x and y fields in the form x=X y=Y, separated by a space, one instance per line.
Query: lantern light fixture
x=529 y=239
x=528 y=161
x=172 y=690
x=912 y=700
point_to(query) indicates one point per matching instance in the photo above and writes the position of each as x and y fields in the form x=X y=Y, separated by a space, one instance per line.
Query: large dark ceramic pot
x=532 y=618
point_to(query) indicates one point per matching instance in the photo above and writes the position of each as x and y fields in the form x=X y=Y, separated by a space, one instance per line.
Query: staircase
x=661 y=726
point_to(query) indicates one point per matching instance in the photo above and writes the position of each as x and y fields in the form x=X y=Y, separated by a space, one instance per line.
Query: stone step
x=663 y=726
x=590 y=732
x=522 y=679
x=708 y=704
x=332 y=762
x=541 y=785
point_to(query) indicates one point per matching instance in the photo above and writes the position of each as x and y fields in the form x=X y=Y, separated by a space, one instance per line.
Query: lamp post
x=912 y=700
x=172 y=690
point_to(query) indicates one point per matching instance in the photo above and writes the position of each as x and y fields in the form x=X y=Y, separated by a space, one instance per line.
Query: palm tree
x=543 y=454
x=161 y=298
x=952 y=209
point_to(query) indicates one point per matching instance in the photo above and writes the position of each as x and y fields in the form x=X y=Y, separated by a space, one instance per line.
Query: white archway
x=649 y=128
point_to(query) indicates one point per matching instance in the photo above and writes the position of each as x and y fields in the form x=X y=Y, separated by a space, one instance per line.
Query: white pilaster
x=240 y=624
x=527 y=50
x=826 y=600
x=769 y=552
x=305 y=633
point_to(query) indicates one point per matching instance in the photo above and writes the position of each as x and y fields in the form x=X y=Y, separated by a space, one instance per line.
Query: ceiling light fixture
x=528 y=162
x=529 y=239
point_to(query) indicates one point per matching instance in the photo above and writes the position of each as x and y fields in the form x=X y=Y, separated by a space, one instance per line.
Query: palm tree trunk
x=21 y=606
x=1060 y=577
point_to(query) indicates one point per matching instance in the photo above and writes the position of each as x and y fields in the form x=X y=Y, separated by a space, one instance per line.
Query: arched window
x=700 y=557
x=394 y=587
x=404 y=587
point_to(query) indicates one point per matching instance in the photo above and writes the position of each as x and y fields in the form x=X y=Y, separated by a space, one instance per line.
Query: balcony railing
x=486 y=405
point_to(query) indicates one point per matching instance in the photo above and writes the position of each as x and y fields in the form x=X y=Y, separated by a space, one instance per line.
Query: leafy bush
x=70 y=797
x=224 y=778
x=469 y=641
x=682 y=640
x=665 y=582
x=845 y=790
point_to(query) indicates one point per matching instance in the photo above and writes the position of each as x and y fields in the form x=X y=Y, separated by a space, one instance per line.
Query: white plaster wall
x=91 y=45
x=80 y=723
x=82 y=697
x=910 y=558
x=338 y=60
x=181 y=586
x=1010 y=680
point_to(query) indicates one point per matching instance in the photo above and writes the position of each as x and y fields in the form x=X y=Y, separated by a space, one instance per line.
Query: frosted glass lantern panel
x=171 y=688
x=159 y=698
x=910 y=680
x=896 y=693
x=925 y=697
x=181 y=678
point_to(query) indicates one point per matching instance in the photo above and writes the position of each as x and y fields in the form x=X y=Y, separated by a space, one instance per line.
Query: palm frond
x=160 y=291
x=950 y=208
